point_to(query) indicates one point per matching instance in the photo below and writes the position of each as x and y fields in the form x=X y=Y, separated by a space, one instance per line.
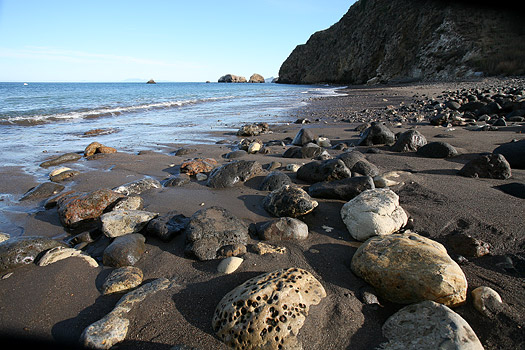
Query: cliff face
x=400 y=40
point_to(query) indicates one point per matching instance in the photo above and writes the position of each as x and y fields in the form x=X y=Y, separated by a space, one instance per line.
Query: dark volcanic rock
x=357 y=163
x=303 y=137
x=125 y=250
x=275 y=180
x=467 y=245
x=409 y=141
x=492 y=166
x=167 y=226
x=44 y=190
x=437 y=149
x=68 y=157
x=344 y=189
x=515 y=189
x=289 y=201
x=326 y=170
x=377 y=134
x=514 y=153
x=232 y=173
x=20 y=251
x=211 y=229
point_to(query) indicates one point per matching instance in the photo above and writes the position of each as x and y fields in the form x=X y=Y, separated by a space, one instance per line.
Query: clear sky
x=189 y=40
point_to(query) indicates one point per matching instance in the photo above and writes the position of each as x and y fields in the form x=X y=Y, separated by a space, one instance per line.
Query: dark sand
x=58 y=301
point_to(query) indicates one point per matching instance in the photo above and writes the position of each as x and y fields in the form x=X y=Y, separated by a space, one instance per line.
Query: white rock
x=374 y=212
x=293 y=167
x=58 y=171
x=122 y=222
x=4 y=236
x=229 y=265
x=254 y=147
x=60 y=253
x=324 y=142
x=486 y=300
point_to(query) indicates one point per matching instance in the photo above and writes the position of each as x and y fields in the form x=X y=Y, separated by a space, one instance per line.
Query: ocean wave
x=40 y=119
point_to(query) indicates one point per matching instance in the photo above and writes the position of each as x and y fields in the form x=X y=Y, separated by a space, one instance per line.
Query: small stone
x=177 y=181
x=58 y=171
x=129 y=203
x=137 y=187
x=64 y=175
x=60 y=253
x=324 y=142
x=486 y=300
x=125 y=250
x=122 y=222
x=122 y=279
x=229 y=265
x=231 y=250
x=293 y=167
x=262 y=248
x=201 y=177
x=289 y=201
x=198 y=165
x=4 y=237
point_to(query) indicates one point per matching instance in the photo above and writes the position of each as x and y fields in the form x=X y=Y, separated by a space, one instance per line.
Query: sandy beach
x=57 y=302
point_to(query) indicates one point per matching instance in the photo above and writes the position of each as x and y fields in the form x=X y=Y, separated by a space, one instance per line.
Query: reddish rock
x=76 y=209
x=198 y=165
x=95 y=147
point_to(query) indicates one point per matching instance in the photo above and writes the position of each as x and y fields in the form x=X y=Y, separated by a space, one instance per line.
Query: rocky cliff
x=402 y=40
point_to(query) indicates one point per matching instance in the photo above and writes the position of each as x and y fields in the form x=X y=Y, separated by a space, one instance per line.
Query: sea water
x=51 y=118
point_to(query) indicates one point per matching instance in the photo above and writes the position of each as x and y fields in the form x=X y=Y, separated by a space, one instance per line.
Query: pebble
x=229 y=265
x=486 y=300
x=122 y=279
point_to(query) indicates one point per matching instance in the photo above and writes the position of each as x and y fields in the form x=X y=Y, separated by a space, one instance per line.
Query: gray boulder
x=377 y=134
x=19 y=251
x=211 y=229
x=232 y=173
x=303 y=137
x=122 y=222
x=283 y=229
x=289 y=201
x=437 y=149
x=44 y=190
x=491 y=166
x=344 y=189
x=68 y=157
x=409 y=141
x=125 y=250
x=357 y=163
x=327 y=170
x=167 y=226
x=275 y=180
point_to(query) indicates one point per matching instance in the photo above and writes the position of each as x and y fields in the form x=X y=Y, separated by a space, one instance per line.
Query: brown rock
x=198 y=165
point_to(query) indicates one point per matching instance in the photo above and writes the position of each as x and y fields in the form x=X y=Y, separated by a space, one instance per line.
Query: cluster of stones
x=231 y=78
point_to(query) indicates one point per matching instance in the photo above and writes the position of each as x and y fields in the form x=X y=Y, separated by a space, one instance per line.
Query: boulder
x=267 y=311
x=60 y=253
x=95 y=148
x=230 y=78
x=514 y=153
x=326 y=170
x=303 y=137
x=129 y=203
x=357 y=163
x=253 y=129
x=122 y=222
x=466 y=245
x=64 y=175
x=151 y=81
x=428 y=325
x=138 y=186
x=275 y=180
x=122 y=279
x=232 y=173
x=44 y=190
x=409 y=141
x=408 y=268
x=177 y=180
x=80 y=208
x=377 y=134
x=437 y=149
x=198 y=165
x=289 y=201
x=374 y=212
x=283 y=229
x=486 y=300
x=256 y=78
x=19 y=251
x=167 y=226
x=211 y=229
x=344 y=189
x=64 y=158
x=491 y=166
x=125 y=250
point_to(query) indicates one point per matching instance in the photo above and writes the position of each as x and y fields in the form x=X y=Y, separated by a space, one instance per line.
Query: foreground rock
x=44 y=190
x=514 y=153
x=344 y=189
x=428 y=325
x=374 y=212
x=491 y=166
x=211 y=229
x=19 y=251
x=377 y=134
x=77 y=209
x=409 y=141
x=233 y=173
x=137 y=187
x=486 y=300
x=167 y=226
x=122 y=222
x=326 y=170
x=122 y=279
x=275 y=180
x=283 y=229
x=125 y=250
x=65 y=158
x=289 y=201
x=408 y=268
x=267 y=311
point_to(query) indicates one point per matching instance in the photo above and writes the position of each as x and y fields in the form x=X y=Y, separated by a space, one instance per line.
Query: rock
x=263 y=248
x=64 y=175
x=151 y=81
x=122 y=279
x=177 y=181
x=516 y=189
x=428 y=325
x=487 y=301
x=514 y=153
x=256 y=78
x=377 y=134
x=293 y=167
x=267 y=311
x=254 y=147
x=198 y=165
x=303 y=137
x=230 y=78
x=167 y=226
x=491 y=166
x=409 y=141
x=19 y=251
x=327 y=170
x=64 y=158
x=408 y=268
x=185 y=151
x=274 y=181
x=500 y=122
x=44 y=190
x=129 y=203
x=283 y=229
x=385 y=180
x=125 y=250
x=231 y=250
x=95 y=147
x=58 y=171
x=122 y=222
x=232 y=173
x=211 y=229
x=374 y=212
x=4 y=236
x=229 y=265
x=60 y=253
x=201 y=177
x=312 y=151
x=323 y=142
x=236 y=154
x=289 y=201
x=344 y=189
x=253 y=129
x=357 y=163
x=437 y=149
x=137 y=187
x=467 y=245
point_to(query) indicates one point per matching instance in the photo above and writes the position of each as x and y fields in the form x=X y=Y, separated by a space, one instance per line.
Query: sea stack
x=151 y=81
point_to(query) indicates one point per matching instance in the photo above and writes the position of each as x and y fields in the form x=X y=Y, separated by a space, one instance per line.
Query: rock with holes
x=408 y=268
x=428 y=325
x=267 y=311
x=289 y=201
x=137 y=187
x=129 y=203
x=198 y=165
x=20 y=251
x=374 y=212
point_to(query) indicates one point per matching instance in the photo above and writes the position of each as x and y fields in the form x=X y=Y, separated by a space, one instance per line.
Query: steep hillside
x=399 y=40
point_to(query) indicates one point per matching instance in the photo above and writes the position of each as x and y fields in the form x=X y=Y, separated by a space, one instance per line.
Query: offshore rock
x=256 y=78
x=230 y=78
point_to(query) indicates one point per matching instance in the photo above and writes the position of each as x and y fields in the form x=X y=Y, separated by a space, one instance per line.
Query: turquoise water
x=52 y=117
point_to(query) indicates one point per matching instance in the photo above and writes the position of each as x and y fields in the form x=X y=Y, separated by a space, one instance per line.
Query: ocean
x=51 y=118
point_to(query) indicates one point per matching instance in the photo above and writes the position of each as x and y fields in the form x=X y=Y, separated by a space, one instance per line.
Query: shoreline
x=57 y=302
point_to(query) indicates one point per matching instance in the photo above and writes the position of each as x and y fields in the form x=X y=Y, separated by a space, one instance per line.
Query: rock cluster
x=230 y=78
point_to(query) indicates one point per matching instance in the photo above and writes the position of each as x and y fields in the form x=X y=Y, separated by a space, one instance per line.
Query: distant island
x=151 y=81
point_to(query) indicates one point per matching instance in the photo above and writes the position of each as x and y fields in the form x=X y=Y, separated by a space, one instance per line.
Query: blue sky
x=115 y=40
